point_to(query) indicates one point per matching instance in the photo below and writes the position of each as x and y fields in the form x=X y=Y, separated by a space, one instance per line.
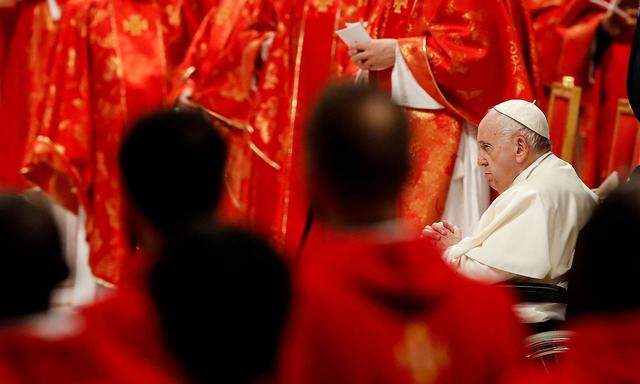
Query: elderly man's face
x=497 y=154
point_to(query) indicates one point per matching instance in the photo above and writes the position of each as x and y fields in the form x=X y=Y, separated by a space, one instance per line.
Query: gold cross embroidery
x=322 y=5
x=420 y=355
x=135 y=25
x=399 y=5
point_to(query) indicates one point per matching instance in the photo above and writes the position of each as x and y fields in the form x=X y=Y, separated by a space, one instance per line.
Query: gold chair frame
x=566 y=89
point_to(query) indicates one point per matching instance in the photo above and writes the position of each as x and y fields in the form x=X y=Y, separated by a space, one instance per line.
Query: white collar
x=524 y=175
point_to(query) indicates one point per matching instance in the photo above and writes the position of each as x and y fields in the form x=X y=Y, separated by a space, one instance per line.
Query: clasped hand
x=443 y=234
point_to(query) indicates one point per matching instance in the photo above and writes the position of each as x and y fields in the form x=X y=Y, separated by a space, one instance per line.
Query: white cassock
x=529 y=232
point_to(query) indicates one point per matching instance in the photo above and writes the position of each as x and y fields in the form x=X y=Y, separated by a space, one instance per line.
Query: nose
x=482 y=161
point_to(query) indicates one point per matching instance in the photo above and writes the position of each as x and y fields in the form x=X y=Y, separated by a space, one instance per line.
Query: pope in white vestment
x=529 y=232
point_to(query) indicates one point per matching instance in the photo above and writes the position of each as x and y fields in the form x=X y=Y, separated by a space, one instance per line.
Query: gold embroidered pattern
x=135 y=25
x=173 y=15
x=457 y=63
x=322 y=5
x=420 y=354
x=468 y=95
x=106 y=42
x=264 y=118
x=113 y=68
x=271 y=79
x=233 y=89
x=71 y=62
x=399 y=5
x=222 y=15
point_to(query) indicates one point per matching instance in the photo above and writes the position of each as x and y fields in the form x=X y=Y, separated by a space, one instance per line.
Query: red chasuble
x=306 y=55
x=26 y=49
x=371 y=308
x=220 y=68
x=262 y=102
x=468 y=56
x=111 y=66
x=117 y=341
x=566 y=32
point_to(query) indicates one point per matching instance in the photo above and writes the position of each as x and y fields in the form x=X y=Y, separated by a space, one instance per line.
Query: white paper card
x=354 y=33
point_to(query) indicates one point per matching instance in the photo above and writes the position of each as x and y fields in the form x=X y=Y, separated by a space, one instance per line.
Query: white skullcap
x=527 y=114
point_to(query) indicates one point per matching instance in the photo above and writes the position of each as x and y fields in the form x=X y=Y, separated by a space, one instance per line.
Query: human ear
x=522 y=149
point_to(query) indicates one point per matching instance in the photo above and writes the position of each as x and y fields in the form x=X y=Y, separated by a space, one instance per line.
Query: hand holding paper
x=354 y=33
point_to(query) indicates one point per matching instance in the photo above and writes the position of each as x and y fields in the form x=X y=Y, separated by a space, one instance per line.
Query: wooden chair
x=625 y=142
x=563 y=113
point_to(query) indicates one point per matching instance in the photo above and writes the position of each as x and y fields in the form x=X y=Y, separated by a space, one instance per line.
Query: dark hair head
x=606 y=265
x=223 y=299
x=33 y=262
x=358 y=144
x=172 y=164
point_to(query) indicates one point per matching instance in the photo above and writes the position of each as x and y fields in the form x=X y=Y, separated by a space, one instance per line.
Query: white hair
x=511 y=127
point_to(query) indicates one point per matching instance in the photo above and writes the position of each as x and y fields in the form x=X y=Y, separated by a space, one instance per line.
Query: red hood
x=392 y=270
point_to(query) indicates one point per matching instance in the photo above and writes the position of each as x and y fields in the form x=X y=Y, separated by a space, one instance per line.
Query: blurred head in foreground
x=606 y=266
x=33 y=262
x=223 y=298
x=358 y=148
x=172 y=166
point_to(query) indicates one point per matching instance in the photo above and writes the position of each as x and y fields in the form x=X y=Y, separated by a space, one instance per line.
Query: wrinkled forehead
x=489 y=130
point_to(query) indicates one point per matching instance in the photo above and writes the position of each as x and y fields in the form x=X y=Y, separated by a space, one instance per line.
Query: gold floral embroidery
x=77 y=103
x=106 y=42
x=420 y=354
x=233 y=88
x=520 y=87
x=399 y=5
x=270 y=79
x=135 y=25
x=457 y=63
x=468 y=95
x=322 y=5
x=71 y=62
x=222 y=15
x=98 y=16
x=514 y=52
x=113 y=68
x=264 y=118
x=173 y=15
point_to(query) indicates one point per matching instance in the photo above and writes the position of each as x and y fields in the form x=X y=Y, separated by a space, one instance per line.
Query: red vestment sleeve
x=469 y=57
x=58 y=159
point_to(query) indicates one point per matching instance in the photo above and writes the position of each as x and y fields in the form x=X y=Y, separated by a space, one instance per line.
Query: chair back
x=625 y=151
x=563 y=114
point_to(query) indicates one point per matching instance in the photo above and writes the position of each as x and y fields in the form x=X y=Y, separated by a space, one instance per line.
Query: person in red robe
x=29 y=33
x=446 y=62
x=248 y=286
x=259 y=86
x=122 y=339
x=152 y=329
x=603 y=306
x=373 y=302
x=119 y=340
x=98 y=88
x=217 y=74
x=592 y=44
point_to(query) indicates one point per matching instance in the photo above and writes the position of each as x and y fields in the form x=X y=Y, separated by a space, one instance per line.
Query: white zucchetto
x=527 y=114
